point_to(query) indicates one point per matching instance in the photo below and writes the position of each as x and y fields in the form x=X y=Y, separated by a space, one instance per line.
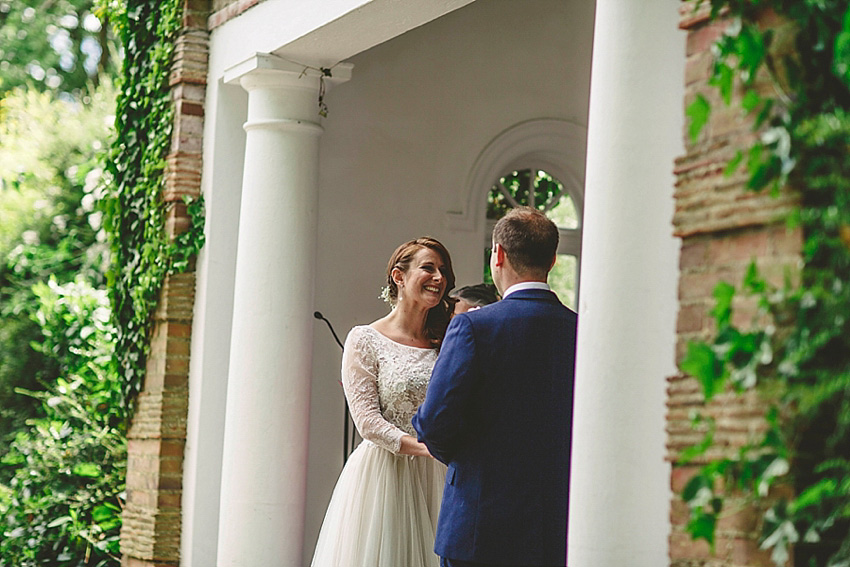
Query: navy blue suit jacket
x=498 y=412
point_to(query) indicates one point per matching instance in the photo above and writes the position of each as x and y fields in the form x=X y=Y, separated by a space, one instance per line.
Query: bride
x=383 y=512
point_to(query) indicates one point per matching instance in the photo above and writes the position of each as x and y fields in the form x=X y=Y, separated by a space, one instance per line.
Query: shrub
x=62 y=482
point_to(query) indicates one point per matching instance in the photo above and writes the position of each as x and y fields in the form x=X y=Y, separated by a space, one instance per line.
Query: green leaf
x=733 y=164
x=723 y=79
x=695 y=486
x=702 y=526
x=724 y=292
x=751 y=49
x=690 y=453
x=753 y=280
x=103 y=513
x=815 y=494
x=841 y=60
x=751 y=100
x=61 y=521
x=698 y=113
x=777 y=467
x=87 y=469
x=701 y=363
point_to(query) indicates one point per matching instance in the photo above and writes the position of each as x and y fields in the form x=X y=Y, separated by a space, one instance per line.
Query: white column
x=268 y=392
x=619 y=494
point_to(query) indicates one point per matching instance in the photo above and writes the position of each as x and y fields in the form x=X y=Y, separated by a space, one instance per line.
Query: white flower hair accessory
x=385 y=295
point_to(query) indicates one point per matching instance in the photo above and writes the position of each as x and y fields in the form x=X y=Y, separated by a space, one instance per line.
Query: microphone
x=318 y=315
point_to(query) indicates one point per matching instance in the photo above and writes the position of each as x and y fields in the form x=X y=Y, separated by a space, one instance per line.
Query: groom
x=498 y=411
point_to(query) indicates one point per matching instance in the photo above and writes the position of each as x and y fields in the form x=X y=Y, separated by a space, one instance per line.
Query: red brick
x=694 y=286
x=785 y=241
x=747 y=552
x=744 y=313
x=683 y=547
x=693 y=13
x=698 y=68
x=142 y=498
x=694 y=253
x=680 y=476
x=741 y=518
x=680 y=513
x=738 y=248
x=179 y=330
x=169 y=499
x=128 y=561
x=177 y=346
x=691 y=318
x=178 y=380
x=703 y=37
x=172 y=448
x=176 y=365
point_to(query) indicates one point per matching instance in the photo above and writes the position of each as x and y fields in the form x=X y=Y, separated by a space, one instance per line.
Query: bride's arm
x=359 y=380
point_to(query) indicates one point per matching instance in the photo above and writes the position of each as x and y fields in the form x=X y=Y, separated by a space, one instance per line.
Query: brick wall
x=723 y=227
x=150 y=536
x=224 y=10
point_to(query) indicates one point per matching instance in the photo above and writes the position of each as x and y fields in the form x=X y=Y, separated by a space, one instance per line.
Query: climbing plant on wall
x=142 y=253
x=798 y=351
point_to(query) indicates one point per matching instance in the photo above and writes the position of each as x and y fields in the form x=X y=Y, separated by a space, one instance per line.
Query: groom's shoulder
x=548 y=305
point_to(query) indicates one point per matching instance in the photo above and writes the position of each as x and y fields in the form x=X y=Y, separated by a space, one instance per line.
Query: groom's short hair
x=529 y=238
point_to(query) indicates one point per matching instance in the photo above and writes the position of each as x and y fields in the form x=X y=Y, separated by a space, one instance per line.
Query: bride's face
x=424 y=282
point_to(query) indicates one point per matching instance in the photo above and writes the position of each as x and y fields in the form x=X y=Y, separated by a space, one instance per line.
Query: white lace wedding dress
x=383 y=511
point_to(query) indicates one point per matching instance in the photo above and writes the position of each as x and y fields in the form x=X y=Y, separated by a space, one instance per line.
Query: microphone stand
x=346 y=444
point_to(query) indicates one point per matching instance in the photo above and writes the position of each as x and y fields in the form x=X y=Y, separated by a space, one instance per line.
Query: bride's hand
x=410 y=446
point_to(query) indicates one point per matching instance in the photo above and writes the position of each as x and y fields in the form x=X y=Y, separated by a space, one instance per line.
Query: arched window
x=534 y=187
x=538 y=163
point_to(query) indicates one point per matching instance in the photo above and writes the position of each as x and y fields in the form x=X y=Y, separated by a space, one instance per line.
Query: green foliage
x=50 y=174
x=530 y=188
x=142 y=253
x=62 y=481
x=62 y=46
x=804 y=367
x=698 y=113
x=538 y=189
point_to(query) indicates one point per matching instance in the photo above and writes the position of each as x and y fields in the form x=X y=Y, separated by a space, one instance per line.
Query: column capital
x=285 y=94
x=274 y=66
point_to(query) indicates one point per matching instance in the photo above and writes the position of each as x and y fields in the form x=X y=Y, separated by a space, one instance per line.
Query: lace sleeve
x=360 y=382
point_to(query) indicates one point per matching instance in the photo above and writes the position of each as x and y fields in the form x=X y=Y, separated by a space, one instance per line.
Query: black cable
x=347 y=446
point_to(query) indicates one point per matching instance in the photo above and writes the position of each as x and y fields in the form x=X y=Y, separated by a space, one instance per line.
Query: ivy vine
x=142 y=253
x=797 y=352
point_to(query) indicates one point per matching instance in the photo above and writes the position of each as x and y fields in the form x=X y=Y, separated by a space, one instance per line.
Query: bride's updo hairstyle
x=439 y=315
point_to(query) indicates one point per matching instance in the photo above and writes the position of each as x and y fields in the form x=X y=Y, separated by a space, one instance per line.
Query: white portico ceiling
x=319 y=33
x=369 y=25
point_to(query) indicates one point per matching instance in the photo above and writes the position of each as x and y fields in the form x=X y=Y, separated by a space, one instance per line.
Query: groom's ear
x=499 y=253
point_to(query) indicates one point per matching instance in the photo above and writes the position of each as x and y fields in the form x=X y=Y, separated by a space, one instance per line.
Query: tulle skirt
x=383 y=512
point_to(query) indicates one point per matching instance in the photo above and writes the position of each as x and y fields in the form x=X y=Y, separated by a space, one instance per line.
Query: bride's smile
x=426 y=274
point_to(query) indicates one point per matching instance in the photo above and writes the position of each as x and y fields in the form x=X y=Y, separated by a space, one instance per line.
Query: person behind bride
x=471 y=297
x=384 y=508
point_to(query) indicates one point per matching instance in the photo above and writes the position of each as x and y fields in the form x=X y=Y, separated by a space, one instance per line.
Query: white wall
x=400 y=141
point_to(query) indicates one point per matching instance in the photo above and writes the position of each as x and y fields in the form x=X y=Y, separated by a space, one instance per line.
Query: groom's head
x=528 y=239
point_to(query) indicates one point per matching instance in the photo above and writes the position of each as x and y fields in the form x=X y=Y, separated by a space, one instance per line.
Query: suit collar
x=525 y=285
x=533 y=294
